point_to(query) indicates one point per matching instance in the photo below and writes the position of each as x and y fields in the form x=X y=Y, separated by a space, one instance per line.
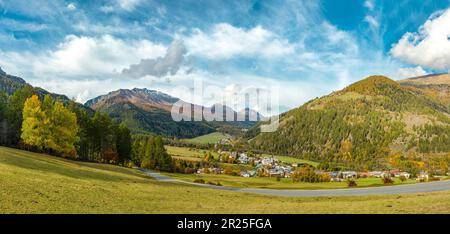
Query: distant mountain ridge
x=9 y=84
x=143 y=98
x=436 y=86
x=149 y=111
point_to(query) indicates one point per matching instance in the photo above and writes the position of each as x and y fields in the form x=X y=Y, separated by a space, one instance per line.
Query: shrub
x=216 y=184
x=110 y=156
x=402 y=178
x=278 y=178
x=387 y=180
x=433 y=178
x=129 y=164
x=189 y=170
x=325 y=177
x=306 y=174
x=351 y=183
x=199 y=181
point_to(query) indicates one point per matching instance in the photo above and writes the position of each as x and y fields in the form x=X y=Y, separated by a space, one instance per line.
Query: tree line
x=31 y=121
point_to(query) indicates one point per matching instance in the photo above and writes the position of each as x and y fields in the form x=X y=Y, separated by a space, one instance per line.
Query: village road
x=383 y=190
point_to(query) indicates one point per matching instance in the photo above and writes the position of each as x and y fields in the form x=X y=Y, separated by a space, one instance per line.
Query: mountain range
x=148 y=111
x=144 y=110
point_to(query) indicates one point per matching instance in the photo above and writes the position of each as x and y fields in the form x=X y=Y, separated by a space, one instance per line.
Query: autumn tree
x=63 y=129
x=49 y=125
x=33 y=125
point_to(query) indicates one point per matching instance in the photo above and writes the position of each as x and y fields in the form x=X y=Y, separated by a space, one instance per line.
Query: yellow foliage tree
x=33 y=125
x=49 y=126
x=64 y=129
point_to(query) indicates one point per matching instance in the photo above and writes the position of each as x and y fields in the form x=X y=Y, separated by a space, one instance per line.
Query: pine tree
x=123 y=143
x=3 y=120
x=14 y=116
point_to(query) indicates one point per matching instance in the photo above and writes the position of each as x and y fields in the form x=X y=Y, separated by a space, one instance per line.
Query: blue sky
x=308 y=48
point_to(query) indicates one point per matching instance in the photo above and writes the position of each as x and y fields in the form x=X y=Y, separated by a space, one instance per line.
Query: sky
x=306 y=48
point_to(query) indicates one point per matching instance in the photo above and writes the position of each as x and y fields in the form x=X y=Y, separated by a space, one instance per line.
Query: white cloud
x=225 y=41
x=169 y=64
x=78 y=57
x=106 y=9
x=71 y=6
x=430 y=47
x=369 y=4
x=372 y=21
x=409 y=72
x=22 y=25
x=128 y=5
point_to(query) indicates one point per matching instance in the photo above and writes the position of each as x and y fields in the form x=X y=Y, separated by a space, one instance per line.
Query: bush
x=189 y=170
x=387 y=180
x=307 y=174
x=129 y=164
x=199 y=181
x=110 y=156
x=402 y=178
x=325 y=177
x=433 y=178
x=216 y=184
x=351 y=183
x=278 y=178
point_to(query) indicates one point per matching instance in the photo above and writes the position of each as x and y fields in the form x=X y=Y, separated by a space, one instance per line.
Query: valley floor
x=36 y=183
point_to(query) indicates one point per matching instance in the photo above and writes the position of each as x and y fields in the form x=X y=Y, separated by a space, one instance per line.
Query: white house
x=377 y=174
x=349 y=174
x=423 y=176
x=404 y=174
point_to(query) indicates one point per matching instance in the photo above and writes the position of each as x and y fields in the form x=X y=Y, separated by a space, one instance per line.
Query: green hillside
x=210 y=138
x=361 y=126
x=36 y=183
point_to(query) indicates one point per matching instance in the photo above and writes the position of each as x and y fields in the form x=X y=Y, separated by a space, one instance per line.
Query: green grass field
x=272 y=183
x=291 y=160
x=36 y=183
x=210 y=138
x=175 y=151
x=190 y=154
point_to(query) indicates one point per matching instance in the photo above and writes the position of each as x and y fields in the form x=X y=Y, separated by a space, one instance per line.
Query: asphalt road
x=384 y=190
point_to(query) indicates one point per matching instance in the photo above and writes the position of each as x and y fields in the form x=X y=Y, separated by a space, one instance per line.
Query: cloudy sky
x=308 y=48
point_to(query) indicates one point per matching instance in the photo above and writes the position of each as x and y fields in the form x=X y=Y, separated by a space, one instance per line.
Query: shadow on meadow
x=73 y=169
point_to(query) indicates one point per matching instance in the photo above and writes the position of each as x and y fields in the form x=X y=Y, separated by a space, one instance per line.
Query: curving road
x=384 y=190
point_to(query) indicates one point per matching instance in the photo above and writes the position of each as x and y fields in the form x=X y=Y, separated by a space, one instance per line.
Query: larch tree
x=50 y=126
x=33 y=127
x=64 y=130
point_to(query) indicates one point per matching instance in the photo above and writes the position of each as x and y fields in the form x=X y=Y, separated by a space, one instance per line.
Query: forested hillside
x=361 y=126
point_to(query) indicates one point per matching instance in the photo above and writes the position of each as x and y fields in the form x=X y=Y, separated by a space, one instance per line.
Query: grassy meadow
x=37 y=183
x=210 y=138
x=272 y=183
